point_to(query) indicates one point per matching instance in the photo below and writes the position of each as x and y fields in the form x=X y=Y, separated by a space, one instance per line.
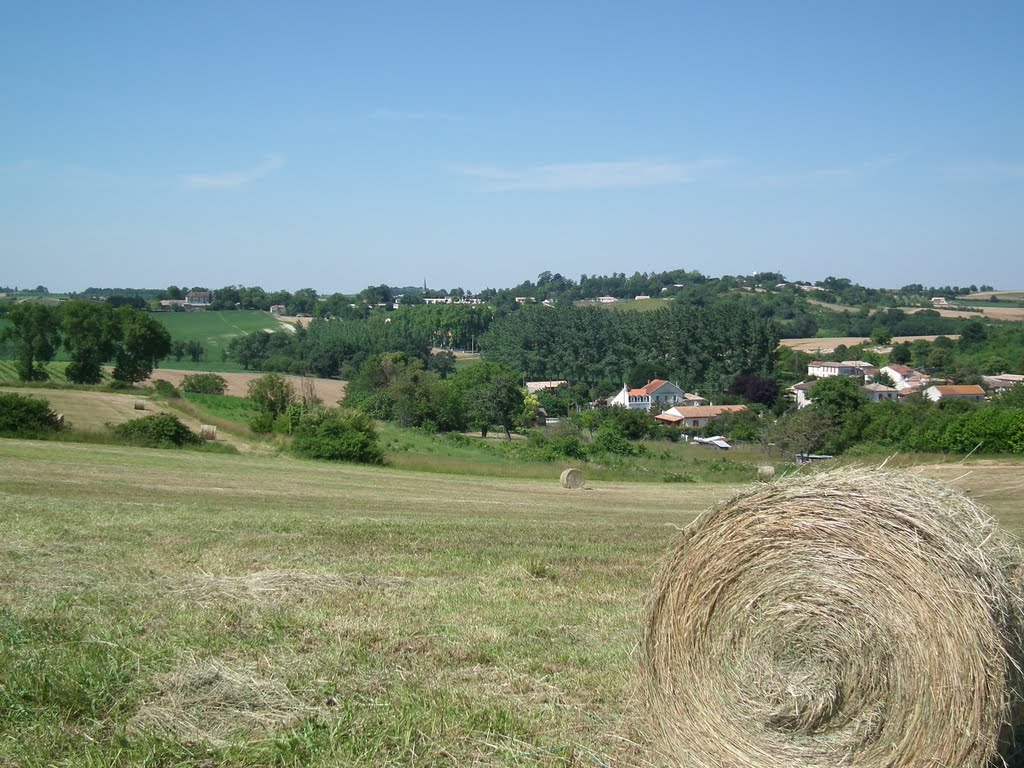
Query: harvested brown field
x=849 y=617
x=1009 y=314
x=330 y=391
x=828 y=344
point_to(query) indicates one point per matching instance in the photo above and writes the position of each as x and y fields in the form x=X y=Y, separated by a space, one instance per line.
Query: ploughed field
x=177 y=608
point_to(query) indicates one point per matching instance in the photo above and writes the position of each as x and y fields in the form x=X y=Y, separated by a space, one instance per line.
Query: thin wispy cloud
x=229 y=179
x=602 y=175
x=837 y=173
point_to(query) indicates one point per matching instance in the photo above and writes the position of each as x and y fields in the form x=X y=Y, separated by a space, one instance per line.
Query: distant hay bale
x=571 y=478
x=140 y=405
x=208 y=431
x=765 y=472
x=848 y=618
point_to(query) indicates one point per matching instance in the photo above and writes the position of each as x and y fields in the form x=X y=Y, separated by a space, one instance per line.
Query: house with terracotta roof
x=973 y=392
x=659 y=393
x=692 y=416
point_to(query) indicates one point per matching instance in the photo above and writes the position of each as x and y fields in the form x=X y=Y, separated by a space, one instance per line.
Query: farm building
x=876 y=393
x=855 y=368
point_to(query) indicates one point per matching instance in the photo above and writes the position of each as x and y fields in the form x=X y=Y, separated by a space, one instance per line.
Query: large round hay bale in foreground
x=849 y=618
x=571 y=478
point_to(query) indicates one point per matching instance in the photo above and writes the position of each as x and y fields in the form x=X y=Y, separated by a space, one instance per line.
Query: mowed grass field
x=214 y=330
x=167 y=608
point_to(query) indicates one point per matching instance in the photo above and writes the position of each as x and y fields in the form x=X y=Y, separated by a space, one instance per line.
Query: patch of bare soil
x=330 y=391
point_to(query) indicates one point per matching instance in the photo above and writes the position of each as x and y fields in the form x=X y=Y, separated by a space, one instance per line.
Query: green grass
x=237 y=410
x=174 y=609
x=664 y=462
x=214 y=330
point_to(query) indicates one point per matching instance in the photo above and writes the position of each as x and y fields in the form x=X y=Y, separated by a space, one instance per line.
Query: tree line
x=92 y=333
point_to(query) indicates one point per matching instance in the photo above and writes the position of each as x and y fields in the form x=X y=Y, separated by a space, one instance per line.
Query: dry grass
x=213 y=702
x=852 y=617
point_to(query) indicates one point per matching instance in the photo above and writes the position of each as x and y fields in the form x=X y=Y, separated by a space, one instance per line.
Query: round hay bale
x=765 y=472
x=571 y=478
x=208 y=431
x=849 y=618
x=140 y=405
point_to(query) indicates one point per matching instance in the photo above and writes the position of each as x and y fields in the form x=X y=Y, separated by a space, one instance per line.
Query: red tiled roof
x=948 y=390
x=706 y=411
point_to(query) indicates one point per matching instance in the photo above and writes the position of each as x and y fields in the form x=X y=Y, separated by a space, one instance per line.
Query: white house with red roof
x=973 y=392
x=658 y=392
x=696 y=415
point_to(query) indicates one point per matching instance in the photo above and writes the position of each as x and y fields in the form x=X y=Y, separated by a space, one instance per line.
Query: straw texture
x=571 y=478
x=848 y=618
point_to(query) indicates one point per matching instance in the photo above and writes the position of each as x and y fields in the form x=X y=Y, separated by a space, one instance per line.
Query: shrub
x=261 y=422
x=161 y=430
x=338 y=435
x=165 y=388
x=22 y=416
x=272 y=393
x=204 y=384
x=610 y=439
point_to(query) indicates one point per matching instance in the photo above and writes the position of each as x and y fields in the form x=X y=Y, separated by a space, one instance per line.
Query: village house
x=658 y=393
x=876 y=393
x=1003 y=382
x=198 y=299
x=801 y=394
x=902 y=376
x=972 y=392
x=692 y=416
x=822 y=369
x=533 y=387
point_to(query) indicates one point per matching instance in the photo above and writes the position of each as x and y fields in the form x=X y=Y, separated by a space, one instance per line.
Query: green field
x=214 y=330
x=630 y=305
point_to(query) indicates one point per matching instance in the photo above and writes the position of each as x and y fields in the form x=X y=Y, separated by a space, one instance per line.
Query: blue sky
x=476 y=144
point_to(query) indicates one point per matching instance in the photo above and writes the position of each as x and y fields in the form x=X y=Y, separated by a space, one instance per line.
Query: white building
x=659 y=392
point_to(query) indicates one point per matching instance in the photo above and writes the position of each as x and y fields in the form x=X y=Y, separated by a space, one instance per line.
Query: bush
x=22 y=416
x=338 y=435
x=204 y=384
x=610 y=439
x=262 y=422
x=165 y=388
x=161 y=430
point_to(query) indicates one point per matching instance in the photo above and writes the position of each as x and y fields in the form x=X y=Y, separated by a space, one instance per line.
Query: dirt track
x=330 y=391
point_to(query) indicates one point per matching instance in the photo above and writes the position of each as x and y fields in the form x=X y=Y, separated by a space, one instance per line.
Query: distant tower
x=424 y=285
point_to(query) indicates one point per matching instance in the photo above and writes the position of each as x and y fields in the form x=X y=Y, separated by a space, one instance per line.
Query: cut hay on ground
x=272 y=586
x=849 y=618
x=571 y=478
x=214 y=703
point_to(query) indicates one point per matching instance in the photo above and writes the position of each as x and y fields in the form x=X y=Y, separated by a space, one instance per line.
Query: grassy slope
x=162 y=607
